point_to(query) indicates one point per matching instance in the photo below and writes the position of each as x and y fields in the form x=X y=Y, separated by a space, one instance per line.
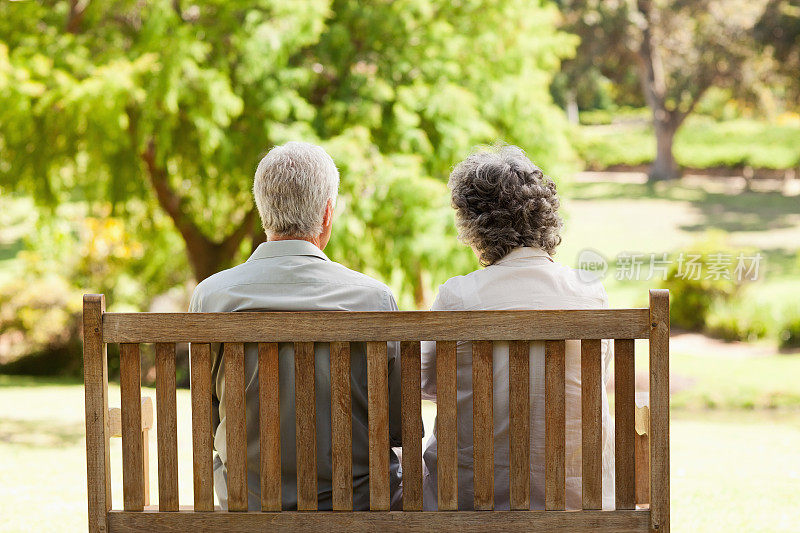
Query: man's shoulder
x=213 y=283
x=318 y=280
x=344 y=275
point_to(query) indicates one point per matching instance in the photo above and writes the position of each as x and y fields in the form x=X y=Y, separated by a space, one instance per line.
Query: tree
x=679 y=48
x=778 y=36
x=166 y=107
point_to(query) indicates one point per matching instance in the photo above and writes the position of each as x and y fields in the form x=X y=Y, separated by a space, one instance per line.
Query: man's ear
x=327 y=218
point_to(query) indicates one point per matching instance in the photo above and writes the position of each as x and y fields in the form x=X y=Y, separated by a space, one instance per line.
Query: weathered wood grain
x=269 y=417
x=167 y=436
x=482 y=425
x=305 y=425
x=341 y=427
x=376 y=326
x=95 y=378
x=130 y=385
x=624 y=391
x=235 y=426
x=202 y=434
x=555 y=425
x=592 y=424
x=411 y=425
x=659 y=411
x=519 y=424
x=378 y=415
x=412 y=522
x=447 y=421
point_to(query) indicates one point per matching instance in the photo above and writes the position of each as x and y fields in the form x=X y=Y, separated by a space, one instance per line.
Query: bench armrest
x=642 y=448
x=115 y=430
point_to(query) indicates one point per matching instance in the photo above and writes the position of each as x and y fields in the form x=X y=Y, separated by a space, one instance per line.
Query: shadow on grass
x=40 y=433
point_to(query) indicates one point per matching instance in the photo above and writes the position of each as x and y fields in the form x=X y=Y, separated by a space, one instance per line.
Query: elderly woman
x=507 y=211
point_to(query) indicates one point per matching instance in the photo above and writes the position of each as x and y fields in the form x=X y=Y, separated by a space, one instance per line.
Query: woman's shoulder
x=450 y=294
x=582 y=283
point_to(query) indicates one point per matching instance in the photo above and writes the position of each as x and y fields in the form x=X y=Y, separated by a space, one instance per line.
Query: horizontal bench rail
x=424 y=521
x=384 y=326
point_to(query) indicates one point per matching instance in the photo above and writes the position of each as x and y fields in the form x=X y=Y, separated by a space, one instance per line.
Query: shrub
x=736 y=322
x=691 y=299
x=40 y=327
x=789 y=336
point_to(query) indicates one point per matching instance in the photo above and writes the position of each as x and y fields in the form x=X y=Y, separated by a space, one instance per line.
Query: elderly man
x=295 y=190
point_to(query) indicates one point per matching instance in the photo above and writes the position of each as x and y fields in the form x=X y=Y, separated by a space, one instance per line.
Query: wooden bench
x=340 y=328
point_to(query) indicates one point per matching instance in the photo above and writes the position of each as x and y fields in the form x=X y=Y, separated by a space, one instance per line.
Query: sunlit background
x=130 y=132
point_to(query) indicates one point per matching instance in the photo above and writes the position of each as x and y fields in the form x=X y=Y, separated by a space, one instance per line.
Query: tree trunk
x=664 y=166
x=206 y=257
x=422 y=292
x=654 y=86
x=573 y=114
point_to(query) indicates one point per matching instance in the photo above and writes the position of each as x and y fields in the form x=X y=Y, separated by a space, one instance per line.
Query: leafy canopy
x=160 y=111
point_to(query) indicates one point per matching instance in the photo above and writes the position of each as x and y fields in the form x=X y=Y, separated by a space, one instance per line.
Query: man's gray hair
x=504 y=201
x=292 y=185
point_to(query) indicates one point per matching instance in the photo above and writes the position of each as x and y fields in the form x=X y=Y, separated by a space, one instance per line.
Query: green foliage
x=692 y=297
x=164 y=108
x=37 y=318
x=70 y=253
x=789 y=336
x=737 y=321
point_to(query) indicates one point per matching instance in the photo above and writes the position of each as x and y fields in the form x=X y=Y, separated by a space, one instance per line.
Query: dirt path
x=703 y=346
x=730 y=184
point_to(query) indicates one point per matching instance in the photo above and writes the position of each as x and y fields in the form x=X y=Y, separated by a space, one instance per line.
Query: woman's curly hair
x=503 y=201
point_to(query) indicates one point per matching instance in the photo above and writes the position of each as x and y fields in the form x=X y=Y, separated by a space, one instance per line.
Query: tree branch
x=229 y=245
x=77 y=9
x=170 y=202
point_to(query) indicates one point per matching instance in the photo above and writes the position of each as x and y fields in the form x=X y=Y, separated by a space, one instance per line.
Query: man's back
x=295 y=275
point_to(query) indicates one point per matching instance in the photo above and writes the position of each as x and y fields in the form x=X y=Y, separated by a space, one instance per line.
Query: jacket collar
x=523 y=252
x=270 y=249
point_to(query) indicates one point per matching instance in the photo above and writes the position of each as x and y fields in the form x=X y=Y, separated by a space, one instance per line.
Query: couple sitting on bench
x=507 y=211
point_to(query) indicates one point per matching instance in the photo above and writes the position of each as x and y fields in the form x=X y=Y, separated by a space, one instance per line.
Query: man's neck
x=314 y=240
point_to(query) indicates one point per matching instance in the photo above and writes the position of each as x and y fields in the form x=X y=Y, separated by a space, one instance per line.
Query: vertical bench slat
x=659 y=410
x=378 y=417
x=624 y=390
x=592 y=424
x=95 y=372
x=482 y=425
x=342 y=427
x=202 y=434
x=412 y=425
x=305 y=426
x=555 y=425
x=131 y=404
x=167 y=427
x=235 y=426
x=269 y=416
x=446 y=414
x=519 y=424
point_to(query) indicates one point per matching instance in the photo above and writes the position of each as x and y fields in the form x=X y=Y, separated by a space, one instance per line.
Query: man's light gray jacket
x=295 y=275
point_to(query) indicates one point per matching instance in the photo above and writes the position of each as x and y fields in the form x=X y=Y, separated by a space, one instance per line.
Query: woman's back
x=526 y=278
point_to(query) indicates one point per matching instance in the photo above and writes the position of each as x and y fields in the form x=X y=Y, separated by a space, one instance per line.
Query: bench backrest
x=339 y=329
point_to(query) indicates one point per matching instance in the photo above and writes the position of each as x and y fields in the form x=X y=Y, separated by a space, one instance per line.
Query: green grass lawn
x=732 y=469
x=701 y=142
x=612 y=218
